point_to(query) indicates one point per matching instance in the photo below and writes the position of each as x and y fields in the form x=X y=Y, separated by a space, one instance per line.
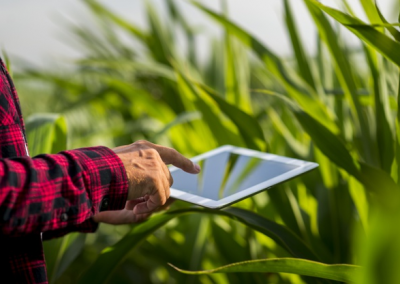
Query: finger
x=141 y=217
x=170 y=181
x=145 y=207
x=171 y=156
x=153 y=202
x=167 y=204
x=168 y=175
x=130 y=204
x=167 y=187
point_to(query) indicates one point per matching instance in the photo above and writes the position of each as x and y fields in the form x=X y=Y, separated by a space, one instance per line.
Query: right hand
x=148 y=176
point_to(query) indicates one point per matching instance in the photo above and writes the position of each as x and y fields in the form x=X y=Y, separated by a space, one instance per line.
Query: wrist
x=96 y=218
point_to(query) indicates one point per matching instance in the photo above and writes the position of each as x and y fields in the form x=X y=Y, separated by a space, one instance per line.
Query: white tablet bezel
x=304 y=166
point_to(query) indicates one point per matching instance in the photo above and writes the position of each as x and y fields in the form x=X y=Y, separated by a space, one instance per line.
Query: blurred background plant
x=338 y=107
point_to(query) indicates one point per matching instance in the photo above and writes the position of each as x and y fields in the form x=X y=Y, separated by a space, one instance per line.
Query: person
x=49 y=196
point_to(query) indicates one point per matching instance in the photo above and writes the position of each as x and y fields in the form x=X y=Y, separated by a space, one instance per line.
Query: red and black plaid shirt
x=49 y=194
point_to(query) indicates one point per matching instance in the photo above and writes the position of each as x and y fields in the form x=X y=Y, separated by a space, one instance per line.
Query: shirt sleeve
x=56 y=194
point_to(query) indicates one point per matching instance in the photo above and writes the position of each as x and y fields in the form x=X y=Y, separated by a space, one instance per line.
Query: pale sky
x=33 y=29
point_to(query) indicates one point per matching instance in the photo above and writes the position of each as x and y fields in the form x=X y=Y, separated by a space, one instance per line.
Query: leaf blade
x=101 y=270
x=301 y=92
x=379 y=41
x=339 y=272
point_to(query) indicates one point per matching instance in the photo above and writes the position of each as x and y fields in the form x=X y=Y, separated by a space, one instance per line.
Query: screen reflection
x=227 y=173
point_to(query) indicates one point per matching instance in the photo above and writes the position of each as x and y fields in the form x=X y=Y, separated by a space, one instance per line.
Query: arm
x=60 y=192
x=57 y=194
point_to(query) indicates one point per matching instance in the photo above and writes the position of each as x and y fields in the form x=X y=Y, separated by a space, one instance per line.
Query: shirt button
x=64 y=217
x=104 y=204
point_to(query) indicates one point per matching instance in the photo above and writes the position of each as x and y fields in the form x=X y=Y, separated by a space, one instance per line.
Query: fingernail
x=197 y=168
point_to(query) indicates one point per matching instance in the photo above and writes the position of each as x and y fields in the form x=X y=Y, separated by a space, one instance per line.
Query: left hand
x=126 y=215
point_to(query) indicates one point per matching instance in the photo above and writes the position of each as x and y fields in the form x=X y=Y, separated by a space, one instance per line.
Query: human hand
x=126 y=215
x=148 y=176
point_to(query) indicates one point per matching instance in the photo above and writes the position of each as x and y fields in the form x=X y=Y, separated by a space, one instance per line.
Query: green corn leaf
x=60 y=253
x=50 y=78
x=379 y=41
x=160 y=43
x=181 y=22
x=325 y=68
x=215 y=67
x=328 y=169
x=359 y=196
x=71 y=248
x=101 y=270
x=143 y=100
x=247 y=125
x=280 y=234
x=281 y=203
x=371 y=11
x=383 y=25
x=237 y=77
x=345 y=75
x=398 y=135
x=390 y=27
x=378 y=251
x=374 y=179
x=328 y=143
x=324 y=139
x=7 y=62
x=199 y=246
x=384 y=135
x=222 y=237
x=296 y=146
x=301 y=57
x=347 y=7
x=339 y=272
x=211 y=114
x=122 y=65
x=301 y=92
x=102 y=11
x=180 y=119
x=46 y=134
x=380 y=184
x=51 y=251
x=177 y=16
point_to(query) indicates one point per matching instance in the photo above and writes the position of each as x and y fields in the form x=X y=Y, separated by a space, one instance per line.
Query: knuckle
x=151 y=152
x=188 y=162
x=174 y=152
x=141 y=142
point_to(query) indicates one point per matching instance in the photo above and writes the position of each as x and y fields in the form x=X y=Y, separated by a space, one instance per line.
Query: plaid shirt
x=53 y=194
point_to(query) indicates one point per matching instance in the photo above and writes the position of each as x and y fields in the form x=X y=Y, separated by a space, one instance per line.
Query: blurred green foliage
x=338 y=108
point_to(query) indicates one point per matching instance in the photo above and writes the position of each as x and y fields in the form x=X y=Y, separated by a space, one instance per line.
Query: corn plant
x=336 y=224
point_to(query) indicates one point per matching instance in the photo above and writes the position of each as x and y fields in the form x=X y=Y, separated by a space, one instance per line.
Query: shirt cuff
x=105 y=178
x=89 y=226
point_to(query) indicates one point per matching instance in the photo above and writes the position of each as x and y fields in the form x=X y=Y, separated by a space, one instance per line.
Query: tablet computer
x=230 y=174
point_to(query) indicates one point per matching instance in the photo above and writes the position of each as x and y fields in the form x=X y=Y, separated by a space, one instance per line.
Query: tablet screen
x=227 y=173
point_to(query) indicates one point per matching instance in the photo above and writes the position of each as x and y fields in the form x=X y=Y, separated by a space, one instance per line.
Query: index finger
x=173 y=157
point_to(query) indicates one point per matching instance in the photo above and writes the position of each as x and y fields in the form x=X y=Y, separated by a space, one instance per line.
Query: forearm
x=59 y=192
